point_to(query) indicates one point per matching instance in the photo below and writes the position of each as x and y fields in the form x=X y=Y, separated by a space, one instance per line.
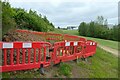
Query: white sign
x=75 y=43
x=7 y=45
x=67 y=44
x=27 y=45
x=90 y=43
x=93 y=43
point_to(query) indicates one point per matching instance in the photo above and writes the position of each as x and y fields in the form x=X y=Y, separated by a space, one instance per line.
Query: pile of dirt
x=12 y=36
x=18 y=36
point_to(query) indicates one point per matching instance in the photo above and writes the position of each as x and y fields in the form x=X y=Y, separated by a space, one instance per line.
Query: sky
x=65 y=13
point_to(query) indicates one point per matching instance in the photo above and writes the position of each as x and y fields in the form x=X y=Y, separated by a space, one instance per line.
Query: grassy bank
x=101 y=65
x=108 y=43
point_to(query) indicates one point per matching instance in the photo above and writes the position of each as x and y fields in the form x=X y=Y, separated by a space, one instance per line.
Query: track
x=108 y=49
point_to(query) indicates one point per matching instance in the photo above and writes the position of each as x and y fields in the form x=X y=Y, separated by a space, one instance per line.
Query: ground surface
x=17 y=36
x=101 y=65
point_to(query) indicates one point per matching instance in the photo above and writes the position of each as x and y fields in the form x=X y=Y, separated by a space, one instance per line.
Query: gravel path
x=108 y=49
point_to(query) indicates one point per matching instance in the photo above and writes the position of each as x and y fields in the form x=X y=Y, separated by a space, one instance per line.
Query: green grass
x=64 y=69
x=103 y=65
x=71 y=32
x=22 y=74
x=108 y=43
x=57 y=31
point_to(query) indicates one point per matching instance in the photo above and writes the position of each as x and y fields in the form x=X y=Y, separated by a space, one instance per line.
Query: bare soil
x=18 y=36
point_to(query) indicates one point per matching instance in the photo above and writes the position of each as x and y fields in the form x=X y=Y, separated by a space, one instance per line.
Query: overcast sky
x=71 y=12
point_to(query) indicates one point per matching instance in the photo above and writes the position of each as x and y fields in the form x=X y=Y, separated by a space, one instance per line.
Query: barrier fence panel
x=73 y=38
x=24 y=55
x=90 y=49
x=65 y=51
x=53 y=36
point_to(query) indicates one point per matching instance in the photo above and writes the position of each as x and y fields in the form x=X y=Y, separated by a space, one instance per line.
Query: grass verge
x=101 y=65
x=108 y=43
x=65 y=69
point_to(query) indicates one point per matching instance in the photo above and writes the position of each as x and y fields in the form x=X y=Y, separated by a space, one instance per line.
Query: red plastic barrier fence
x=90 y=49
x=24 y=55
x=65 y=51
x=54 y=36
x=28 y=55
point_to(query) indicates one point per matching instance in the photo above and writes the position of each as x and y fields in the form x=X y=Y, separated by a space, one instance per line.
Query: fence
x=28 y=55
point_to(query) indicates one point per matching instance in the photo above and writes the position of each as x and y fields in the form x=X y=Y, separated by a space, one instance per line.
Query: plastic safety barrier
x=24 y=55
x=28 y=55
x=65 y=51
x=90 y=49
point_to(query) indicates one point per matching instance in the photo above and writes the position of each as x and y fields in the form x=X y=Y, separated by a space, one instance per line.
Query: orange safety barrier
x=65 y=51
x=24 y=55
x=28 y=55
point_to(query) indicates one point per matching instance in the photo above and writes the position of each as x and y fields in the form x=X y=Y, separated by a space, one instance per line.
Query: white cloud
x=113 y=20
x=70 y=12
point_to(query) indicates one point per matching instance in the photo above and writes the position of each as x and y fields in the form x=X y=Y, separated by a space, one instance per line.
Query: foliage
x=22 y=19
x=8 y=21
x=83 y=30
x=99 y=29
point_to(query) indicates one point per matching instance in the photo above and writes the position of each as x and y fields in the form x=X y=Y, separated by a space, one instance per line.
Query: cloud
x=69 y=12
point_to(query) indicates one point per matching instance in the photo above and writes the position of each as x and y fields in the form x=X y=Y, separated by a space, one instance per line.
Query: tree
x=83 y=29
x=8 y=21
x=105 y=23
x=99 y=29
x=116 y=32
x=91 y=30
x=23 y=20
x=100 y=20
x=58 y=27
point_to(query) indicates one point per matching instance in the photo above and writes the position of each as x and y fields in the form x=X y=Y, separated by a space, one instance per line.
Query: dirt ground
x=18 y=36
x=53 y=72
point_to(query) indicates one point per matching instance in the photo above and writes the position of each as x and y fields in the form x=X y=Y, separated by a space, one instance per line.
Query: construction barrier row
x=29 y=55
x=54 y=36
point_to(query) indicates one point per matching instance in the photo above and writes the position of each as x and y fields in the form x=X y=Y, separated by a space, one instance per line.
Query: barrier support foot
x=42 y=69
x=84 y=59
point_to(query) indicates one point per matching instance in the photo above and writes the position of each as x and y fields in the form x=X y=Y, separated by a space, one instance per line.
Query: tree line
x=99 y=29
x=19 y=18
